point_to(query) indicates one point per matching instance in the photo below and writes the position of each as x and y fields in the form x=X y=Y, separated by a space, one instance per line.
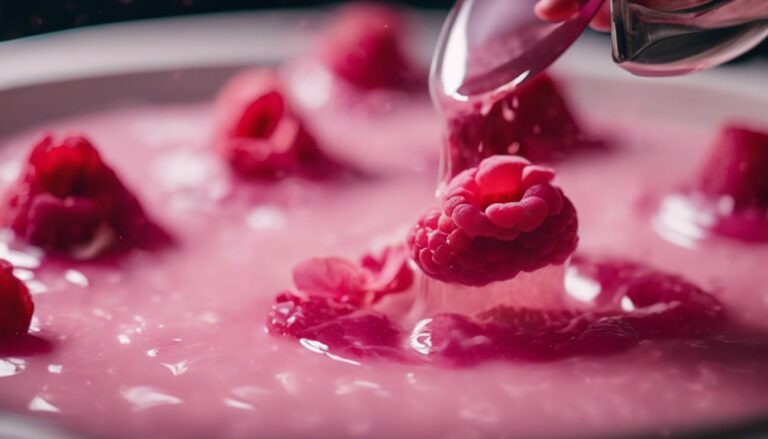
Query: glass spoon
x=491 y=46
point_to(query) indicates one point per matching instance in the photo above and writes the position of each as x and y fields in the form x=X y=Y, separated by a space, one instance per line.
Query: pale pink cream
x=172 y=344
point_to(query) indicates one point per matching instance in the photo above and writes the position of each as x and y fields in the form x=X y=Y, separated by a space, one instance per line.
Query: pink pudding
x=641 y=331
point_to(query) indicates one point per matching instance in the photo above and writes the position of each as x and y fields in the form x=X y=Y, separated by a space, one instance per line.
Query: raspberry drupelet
x=16 y=305
x=69 y=200
x=495 y=221
x=259 y=133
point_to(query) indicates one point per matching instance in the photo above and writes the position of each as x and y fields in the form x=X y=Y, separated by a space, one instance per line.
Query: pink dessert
x=263 y=320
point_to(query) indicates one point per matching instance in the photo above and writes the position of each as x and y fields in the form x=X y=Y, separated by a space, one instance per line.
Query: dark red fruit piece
x=635 y=303
x=16 y=305
x=292 y=315
x=453 y=337
x=535 y=122
x=520 y=334
x=374 y=277
x=330 y=326
x=258 y=131
x=737 y=168
x=495 y=221
x=364 y=46
x=68 y=199
x=656 y=304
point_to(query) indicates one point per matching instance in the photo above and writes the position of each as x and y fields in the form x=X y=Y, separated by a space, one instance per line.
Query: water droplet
x=11 y=366
x=177 y=369
x=266 y=218
x=240 y=405
x=39 y=404
x=55 y=368
x=76 y=278
x=145 y=397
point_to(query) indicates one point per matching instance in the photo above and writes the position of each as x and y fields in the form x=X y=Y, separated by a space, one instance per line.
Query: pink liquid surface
x=173 y=344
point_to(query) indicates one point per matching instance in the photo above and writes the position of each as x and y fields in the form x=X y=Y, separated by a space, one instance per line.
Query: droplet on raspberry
x=68 y=199
x=535 y=122
x=365 y=47
x=493 y=224
x=258 y=131
x=16 y=305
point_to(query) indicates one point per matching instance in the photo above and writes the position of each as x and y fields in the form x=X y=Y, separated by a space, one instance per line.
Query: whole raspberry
x=364 y=46
x=257 y=130
x=16 y=305
x=737 y=168
x=68 y=199
x=534 y=122
x=734 y=184
x=495 y=221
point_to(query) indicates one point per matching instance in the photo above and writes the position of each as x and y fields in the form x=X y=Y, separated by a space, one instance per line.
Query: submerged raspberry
x=328 y=326
x=635 y=303
x=68 y=199
x=657 y=304
x=495 y=221
x=365 y=47
x=258 y=131
x=16 y=305
x=374 y=277
x=534 y=122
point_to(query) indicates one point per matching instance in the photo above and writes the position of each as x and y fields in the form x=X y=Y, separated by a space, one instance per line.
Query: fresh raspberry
x=635 y=303
x=374 y=277
x=293 y=315
x=68 y=199
x=520 y=334
x=364 y=46
x=333 y=325
x=495 y=221
x=534 y=122
x=737 y=168
x=258 y=131
x=734 y=184
x=16 y=305
x=656 y=304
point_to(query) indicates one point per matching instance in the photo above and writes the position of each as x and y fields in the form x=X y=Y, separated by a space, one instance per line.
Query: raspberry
x=520 y=334
x=734 y=184
x=364 y=47
x=534 y=122
x=333 y=325
x=16 y=305
x=737 y=168
x=635 y=303
x=454 y=337
x=258 y=132
x=68 y=199
x=495 y=221
x=656 y=304
x=374 y=277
